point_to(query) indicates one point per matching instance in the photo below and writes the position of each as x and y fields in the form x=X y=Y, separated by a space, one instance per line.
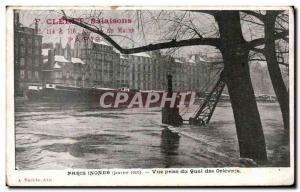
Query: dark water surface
x=61 y=136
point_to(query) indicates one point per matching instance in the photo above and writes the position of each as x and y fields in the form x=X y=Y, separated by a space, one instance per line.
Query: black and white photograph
x=138 y=91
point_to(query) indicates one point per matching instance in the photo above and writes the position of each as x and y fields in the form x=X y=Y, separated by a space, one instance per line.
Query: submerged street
x=65 y=135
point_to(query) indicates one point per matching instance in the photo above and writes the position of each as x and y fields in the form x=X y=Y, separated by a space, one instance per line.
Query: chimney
x=68 y=52
x=50 y=57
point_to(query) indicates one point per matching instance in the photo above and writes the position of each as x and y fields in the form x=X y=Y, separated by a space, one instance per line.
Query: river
x=64 y=135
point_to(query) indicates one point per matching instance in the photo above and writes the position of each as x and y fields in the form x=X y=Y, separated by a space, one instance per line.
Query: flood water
x=62 y=136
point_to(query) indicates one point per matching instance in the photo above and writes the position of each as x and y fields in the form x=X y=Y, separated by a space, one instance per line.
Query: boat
x=63 y=93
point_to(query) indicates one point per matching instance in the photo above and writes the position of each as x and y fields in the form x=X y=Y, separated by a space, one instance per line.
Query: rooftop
x=56 y=66
x=60 y=58
x=178 y=61
x=142 y=54
x=45 y=52
x=122 y=56
x=193 y=59
x=76 y=60
x=101 y=42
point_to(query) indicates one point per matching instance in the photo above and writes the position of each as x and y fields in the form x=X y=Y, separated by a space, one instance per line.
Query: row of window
x=102 y=47
x=30 y=51
x=140 y=59
x=35 y=62
x=105 y=66
x=106 y=57
x=142 y=67
x=98 y=56
x=65 y=74
x=28 y=41
x=30 y=74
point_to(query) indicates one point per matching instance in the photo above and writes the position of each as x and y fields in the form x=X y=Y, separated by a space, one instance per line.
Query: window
x=22 y=50
x=22 y=61
x=36 y=42
x=29 y=61
x=29 y=50
x=36 y=74
x=22 y=74
x=22 y=40
x=29 y=74
x=36 y=62
x=29 y=41
x=58 y=74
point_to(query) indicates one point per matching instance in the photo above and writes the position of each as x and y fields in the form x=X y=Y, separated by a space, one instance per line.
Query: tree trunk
x=274 y=69
x=237 y=77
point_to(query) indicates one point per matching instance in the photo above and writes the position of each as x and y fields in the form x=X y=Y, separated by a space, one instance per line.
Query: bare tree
x=273 y=25
x=235 y=50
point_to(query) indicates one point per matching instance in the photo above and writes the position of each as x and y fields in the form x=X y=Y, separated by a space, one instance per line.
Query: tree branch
x=260 y=24
x=258 y=50
x=260 y=41
x=173 y=43
x=260 y=16
x=280 y=63
x=257 y=15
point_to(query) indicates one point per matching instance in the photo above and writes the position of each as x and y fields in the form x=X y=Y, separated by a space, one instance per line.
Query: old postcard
x=150 y=96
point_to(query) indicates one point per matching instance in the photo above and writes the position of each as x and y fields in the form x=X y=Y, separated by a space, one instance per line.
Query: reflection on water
x=65 y=135
x=169 y=146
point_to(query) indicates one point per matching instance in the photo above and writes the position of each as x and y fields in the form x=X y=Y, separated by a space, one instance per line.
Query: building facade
x=140 y=67
x=61 y=68
x=27 y=56
x=102 y=62
x=123 y=72
x=94 y=63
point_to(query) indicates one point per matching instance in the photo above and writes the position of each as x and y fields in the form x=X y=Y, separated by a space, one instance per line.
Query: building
x=61 y=68
x=188 y=74
x=201 y=73
x=27 y=56
x=123 y=72
x=162 y=66
x=177 y=69
x=102 y=61
x=159 y=70
x=95 y=63
x=140 y=71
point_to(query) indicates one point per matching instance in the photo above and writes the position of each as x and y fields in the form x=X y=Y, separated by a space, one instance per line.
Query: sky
x=146 y=27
